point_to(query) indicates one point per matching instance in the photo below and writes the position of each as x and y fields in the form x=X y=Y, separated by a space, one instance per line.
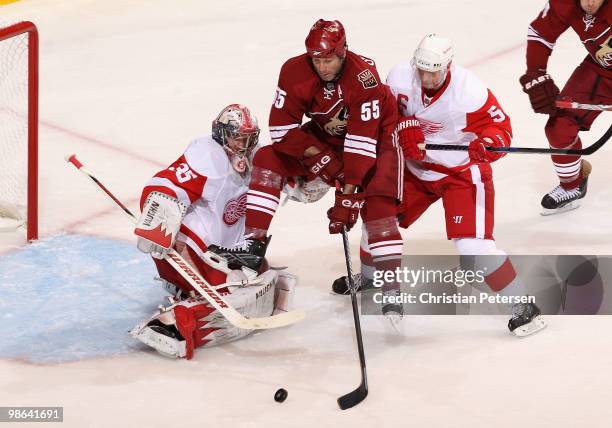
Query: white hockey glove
x=300 y=190
x=159 y=224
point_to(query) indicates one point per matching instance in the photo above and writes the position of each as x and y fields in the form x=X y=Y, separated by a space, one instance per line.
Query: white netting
x=13 y=128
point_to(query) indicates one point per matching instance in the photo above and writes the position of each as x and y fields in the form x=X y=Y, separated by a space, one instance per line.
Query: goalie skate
x=561 y=200
x=526 y=320
x=251 y=254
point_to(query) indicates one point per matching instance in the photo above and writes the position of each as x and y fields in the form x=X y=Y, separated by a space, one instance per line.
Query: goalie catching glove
x=159 y=224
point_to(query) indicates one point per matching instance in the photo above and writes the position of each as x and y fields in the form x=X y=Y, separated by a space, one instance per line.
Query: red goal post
x=19 y=126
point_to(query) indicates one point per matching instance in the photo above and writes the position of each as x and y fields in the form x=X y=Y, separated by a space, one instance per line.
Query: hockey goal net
x=19 y=127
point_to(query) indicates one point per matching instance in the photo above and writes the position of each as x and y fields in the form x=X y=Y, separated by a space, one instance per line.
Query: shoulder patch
x=367 y=79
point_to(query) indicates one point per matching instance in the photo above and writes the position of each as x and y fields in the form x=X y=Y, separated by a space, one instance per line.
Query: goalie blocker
x=176 y=331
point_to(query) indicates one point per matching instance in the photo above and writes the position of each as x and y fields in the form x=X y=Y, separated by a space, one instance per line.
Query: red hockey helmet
x=325 y=39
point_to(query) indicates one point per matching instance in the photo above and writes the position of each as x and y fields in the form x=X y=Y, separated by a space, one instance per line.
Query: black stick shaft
x=358 y=395
x=531 y=150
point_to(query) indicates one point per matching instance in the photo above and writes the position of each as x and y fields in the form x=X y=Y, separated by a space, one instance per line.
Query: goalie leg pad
x=177 y=330
x=284 y=292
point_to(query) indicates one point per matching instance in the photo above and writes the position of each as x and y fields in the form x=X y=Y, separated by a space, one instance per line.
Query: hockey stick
x=569 y=104
x=358 y=395
x=529 y=150
x=199 y=283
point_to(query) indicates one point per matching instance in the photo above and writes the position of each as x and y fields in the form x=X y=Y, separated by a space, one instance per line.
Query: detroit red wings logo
x=234 y=210
x=429 y=128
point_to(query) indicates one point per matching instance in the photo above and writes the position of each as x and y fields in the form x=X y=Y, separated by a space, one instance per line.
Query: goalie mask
x=236 y=129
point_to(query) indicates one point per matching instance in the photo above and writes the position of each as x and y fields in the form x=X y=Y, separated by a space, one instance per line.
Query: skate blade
x=392 y=323
x=528 y=329
x=570 y=206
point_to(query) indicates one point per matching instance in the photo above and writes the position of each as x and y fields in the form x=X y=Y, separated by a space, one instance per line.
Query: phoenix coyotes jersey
x=215 y=194
x=356 y=113
x=559 y=15
x=461 y=109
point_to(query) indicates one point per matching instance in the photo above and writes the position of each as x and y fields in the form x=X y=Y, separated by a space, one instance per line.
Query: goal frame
x=8 y=32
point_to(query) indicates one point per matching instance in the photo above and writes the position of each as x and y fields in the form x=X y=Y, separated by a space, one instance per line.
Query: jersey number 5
x=370 y=110
x=279 y=99
x=497 y=114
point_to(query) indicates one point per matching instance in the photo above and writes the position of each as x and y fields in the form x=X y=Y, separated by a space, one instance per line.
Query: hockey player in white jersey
x=198 y=201
x=443 y=103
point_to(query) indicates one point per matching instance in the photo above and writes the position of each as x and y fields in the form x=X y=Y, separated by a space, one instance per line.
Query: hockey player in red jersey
x=590 y=83
x=348 y=142
x=197 y=201
x=443 y=103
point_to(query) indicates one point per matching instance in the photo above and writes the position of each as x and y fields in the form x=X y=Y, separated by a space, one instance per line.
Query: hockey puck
x=280 y=395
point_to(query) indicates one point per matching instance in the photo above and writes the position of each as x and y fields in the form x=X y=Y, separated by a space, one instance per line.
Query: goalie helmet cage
x=19 y=126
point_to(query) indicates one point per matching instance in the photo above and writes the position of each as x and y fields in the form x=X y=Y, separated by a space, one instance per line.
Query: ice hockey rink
x=127 y=84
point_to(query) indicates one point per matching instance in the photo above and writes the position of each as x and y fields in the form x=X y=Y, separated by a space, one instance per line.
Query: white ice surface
x=127 y=84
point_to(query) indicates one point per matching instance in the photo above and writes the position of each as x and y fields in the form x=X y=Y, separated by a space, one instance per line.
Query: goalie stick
x=199 y=283
x=529 y=150
x=358 y=395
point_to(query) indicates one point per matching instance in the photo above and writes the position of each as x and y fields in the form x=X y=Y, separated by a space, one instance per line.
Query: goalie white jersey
x=204 y=180
x=461 y=109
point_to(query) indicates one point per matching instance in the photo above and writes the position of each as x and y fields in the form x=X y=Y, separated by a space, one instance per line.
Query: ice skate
x=561 y=200
x=526 y=320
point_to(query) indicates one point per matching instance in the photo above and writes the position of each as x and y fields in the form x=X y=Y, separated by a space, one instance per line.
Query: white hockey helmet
x=433 y=53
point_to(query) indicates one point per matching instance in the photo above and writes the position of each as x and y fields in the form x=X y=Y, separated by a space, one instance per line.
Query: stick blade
x=274 y=321
x=354 y=397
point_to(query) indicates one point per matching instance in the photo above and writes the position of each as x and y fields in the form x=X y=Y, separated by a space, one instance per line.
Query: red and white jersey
x=559 y=15
x=204 y=180
x=357 y=112
x=461 y=110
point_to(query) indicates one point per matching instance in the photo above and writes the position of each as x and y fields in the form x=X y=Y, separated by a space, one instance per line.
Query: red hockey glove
x=326 y=166
x=410 y=136
x=491 y=137
x=542 y=91
x=345 y=212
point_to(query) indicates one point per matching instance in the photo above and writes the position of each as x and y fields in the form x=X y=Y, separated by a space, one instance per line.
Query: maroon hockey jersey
x=356 y=113
x=593 y=30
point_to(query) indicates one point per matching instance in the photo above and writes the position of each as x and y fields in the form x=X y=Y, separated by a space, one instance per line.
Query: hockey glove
x=326 y=166
x=410 y=135
x=542 y=91
x=345 y=212
x=158 y=224
x=490 y=137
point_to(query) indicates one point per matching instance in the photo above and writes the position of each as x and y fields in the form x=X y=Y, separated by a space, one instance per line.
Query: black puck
x=280 y=395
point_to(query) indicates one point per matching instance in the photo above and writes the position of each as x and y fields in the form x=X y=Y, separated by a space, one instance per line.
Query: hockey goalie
x=198 y=201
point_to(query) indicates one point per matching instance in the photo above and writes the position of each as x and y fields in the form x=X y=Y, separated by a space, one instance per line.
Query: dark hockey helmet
x=238 y=123
x=325 y=39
